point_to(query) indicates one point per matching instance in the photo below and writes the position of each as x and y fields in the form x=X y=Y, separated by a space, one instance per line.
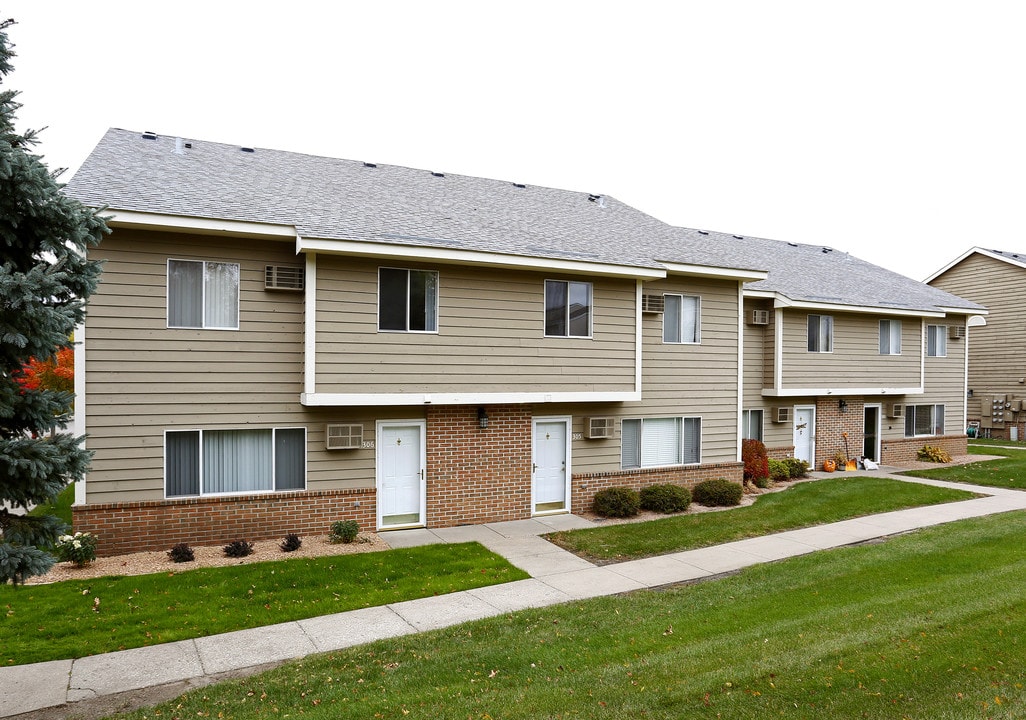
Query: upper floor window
x=202 y=294
x=682 y=319
x=567 y=308
x=407 y=300
x=890 y=337
x=936 y=340
x=655 y=442
x=924 y=420
x=217 y=462
x=821 y=333
x=751 y=425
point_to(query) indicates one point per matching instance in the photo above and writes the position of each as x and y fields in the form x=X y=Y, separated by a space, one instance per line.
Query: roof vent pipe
x=179 y=146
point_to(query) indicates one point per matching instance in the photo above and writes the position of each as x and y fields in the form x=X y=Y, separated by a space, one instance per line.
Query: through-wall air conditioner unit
x=896 y=410
x=283 y=277
x=956 y=332
x=596 y=428
x=782 y=415
x=652 y=304
x=343 y=436
x=759 y=317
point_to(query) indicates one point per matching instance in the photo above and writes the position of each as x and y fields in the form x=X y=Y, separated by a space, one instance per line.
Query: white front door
x=805 y=434
x=401 y=462
x=551 y=461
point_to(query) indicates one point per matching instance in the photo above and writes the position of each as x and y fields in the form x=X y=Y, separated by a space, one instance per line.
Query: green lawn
x=84 y=617
x=803 y=505
x=61 y=507
x=930 y=625
x=1007 y=473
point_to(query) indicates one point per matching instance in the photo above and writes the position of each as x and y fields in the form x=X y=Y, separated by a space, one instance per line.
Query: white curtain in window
x=431 y=301
x=689 y=319
x=184 y=294
x=237 y=461
x=221 y=289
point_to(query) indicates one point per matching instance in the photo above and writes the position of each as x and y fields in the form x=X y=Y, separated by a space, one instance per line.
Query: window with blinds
x=658 y=442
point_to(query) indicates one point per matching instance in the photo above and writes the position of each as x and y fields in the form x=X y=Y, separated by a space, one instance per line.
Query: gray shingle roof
x=333 y=199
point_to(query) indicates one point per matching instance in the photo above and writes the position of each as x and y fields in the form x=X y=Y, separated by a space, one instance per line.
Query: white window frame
x=431 y=313
x=936 y=419
x=203 y=294
x=890 y=337
x=939 y=335
x=747 y=418
x=566 y=319
x=272 y=490
x=683 y=421
x=824 y=324
x=676 y=330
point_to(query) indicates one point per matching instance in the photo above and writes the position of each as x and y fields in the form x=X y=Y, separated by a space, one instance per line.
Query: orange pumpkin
x=829 y=466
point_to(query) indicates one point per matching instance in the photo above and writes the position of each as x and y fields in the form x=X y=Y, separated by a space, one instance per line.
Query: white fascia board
x=201 y=226
x=782 y=302
x=472 y=257
x=470 y=398
x=972 y=251
x=963 y=311
x=714 y=272
x=841 y=392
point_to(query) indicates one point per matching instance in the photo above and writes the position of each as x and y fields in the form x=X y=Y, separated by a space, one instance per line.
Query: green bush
x=343 y=531
x=719 y=492
x=780 y=470
x=617 y=502
x=79 y=548
x=762 y=482
x=798 y=468
x=932 y=453
x=666 y=498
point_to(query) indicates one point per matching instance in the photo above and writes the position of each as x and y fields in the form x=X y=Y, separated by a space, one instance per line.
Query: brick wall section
x=477 y=475
x=157 y=525
x=585 y=485
x=904 y=450
x=779 y=453
x=831 y=423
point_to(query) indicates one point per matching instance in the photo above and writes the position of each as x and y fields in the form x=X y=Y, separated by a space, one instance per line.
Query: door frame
x=812 y=432
x=878 y=450
x=568 y=422
x=381 y=426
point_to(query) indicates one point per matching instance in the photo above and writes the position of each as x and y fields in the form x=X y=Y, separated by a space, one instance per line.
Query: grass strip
x=930 y=625
x=76 y=618
x=61 y=506
x=802 y=505
x=1007 y=473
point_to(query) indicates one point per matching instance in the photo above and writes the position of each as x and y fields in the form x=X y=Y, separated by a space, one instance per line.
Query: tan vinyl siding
x=689 y=380
x=490 y=336
x=945 y=381
x=855 y=361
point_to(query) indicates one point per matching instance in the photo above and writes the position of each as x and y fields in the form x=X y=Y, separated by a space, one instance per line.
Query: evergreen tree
x=45 y=279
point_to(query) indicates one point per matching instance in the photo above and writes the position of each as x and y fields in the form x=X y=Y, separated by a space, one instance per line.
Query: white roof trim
x=470 y=398
x=203 y=226
x=472 y=257
x=971 y=251
x=841 y=392
x=782 y=302
x=718 y=272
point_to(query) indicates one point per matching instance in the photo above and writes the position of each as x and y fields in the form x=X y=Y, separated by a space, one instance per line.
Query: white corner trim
x=79 y=421
x=740 y=363
x=469 y=398
x=638 y=338
x=310 y=325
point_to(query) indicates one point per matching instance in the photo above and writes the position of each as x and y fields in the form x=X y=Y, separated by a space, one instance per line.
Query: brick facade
x=585 y=485
x=157 y=525
x=832 y=423
x=904 y=450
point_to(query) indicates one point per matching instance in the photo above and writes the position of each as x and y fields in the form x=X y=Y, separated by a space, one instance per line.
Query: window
x=682 y=319
x=202 y=294
x=924 y=420
x=213 y=462
x=751 y=425
x=567 y=309
x=936 y=340
x=407 y=300
x=890 y=337
x=654 y=442
x=821 y=333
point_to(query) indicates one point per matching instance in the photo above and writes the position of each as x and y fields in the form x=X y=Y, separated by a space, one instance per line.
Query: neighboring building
x=280 y=340
x=997 y=353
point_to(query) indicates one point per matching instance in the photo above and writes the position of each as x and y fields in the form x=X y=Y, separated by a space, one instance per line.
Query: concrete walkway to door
x=93 y=686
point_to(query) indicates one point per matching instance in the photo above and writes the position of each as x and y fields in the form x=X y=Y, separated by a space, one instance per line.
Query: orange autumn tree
x=56 y=373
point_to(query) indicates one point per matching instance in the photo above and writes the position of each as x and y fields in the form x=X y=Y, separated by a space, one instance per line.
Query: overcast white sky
x=892 y=130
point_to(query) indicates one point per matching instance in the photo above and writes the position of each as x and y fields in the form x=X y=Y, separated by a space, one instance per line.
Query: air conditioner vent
x=343 y=437
x=759 y=317
x=956 y=332
x=652 y=304
x=596 y=428
x=283 y=277
x=896 y=410
x=782 y=415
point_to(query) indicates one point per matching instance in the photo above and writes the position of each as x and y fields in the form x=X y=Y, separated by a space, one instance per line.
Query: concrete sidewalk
x=557 y=576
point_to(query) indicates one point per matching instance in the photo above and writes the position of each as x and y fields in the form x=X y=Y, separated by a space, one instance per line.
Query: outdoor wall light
x=843 y=405
x=482 y=418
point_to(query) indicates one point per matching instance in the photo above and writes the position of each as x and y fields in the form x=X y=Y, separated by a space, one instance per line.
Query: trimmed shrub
x=291 y=543
x=181 y=553
x=780 y=470
x=665 y=498
x=343 y=531
x=617 y=502
x=718 y=492
x=797 y=468
x=238 y=549
x=753 y=454
x=932 y=453
x=79 y=548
